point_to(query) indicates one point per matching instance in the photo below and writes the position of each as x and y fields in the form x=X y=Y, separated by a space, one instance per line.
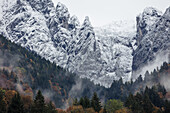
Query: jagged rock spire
x=62 y=14
x=167 y=13
x=87 y=22
x=146 y=21
x=74 y=22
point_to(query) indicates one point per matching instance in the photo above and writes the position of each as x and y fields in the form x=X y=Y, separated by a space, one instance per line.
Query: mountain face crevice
x=101 y=54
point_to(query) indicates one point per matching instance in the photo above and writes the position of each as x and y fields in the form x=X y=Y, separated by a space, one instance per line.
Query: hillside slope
x=100 y=54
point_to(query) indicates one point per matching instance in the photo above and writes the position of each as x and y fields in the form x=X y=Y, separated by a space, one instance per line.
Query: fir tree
x=51 y=108
x=167 y=107
x=81 y=102
x=16 y=105
x=95 y=103
x=147 y=104
x=2 y=102
x=75 y=102
x=129 y=101
x=39 y=104
x=86 y=102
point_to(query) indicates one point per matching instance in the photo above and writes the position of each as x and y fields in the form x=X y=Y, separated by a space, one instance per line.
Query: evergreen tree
x=16 y=105
x=129 y=101
x=135 y=103
x=95 y=102
x=51 y=108
x=162 y=89
x=75 y=102
x=147 y=76
x=138 y=104
x=2 y=102
x=81 y=102
x=147 y=104
x=167 y=107
x=39 y=104
x=86 y=102
x=165 y=66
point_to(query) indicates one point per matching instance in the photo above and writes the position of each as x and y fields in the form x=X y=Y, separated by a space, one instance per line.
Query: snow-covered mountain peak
x=74 y=22
x=124 y=28
x=148 y=18
x=116 y=45
x=86 y=22
x=167 y=13
x=5 y=4
x=154 y=44
x=62 y=12
x=151 y=11
x=146 y=22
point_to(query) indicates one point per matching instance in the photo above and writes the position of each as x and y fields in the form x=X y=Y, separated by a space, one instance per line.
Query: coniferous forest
x=31 y=84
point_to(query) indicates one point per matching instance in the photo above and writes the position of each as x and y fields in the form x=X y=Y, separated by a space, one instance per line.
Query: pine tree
x=95 y=102
x=2 y=102
x=75 y=102
x=162 y=89
x=51 y=108
x=39 y=104
x=137 y=105
x=81 y=102
x=16 y=105
x=86 y=102
x=129 y=101
x=167 y=107
x=147 y=104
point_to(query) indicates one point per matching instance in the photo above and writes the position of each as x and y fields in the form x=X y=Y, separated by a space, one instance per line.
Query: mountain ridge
x=55 y=35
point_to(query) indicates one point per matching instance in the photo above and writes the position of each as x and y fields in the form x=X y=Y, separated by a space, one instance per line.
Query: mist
x=165 y=81
x=8 y=61
x=155 y=64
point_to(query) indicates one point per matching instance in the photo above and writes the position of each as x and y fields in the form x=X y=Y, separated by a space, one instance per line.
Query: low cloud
x=150 y=66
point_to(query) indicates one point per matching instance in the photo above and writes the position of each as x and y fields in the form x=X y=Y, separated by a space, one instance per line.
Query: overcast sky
x=102 y=12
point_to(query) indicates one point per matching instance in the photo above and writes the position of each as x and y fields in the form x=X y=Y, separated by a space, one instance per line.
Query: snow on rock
x=155 y=43
x=62 y=14
x=167 y=13
x=146 y=21
x=116 y=48
x=23 y=25
x=101 y=57
x=74 y=22
x=101 y=54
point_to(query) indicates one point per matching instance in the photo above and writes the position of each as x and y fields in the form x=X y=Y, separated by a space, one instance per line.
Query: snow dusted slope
x=154 y=46
x=116 y=42
x=101 y=54
x=33 y=25
x=146 y=22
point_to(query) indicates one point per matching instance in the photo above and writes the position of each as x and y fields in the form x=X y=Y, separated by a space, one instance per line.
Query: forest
x=151 y=100
x=24 y=75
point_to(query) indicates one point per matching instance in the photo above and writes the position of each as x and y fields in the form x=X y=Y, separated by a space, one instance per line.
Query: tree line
x=151 y=100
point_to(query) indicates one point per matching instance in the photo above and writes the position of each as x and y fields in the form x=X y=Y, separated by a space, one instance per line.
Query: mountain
x=153 y=39
x=146 y=22
x=101 y=54
x=26 y=72
x=116 y=42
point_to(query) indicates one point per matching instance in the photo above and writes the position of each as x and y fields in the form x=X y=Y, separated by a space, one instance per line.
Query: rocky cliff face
x=116 y=43
x=155 y=42
x=146 y=22
x=100 y=54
